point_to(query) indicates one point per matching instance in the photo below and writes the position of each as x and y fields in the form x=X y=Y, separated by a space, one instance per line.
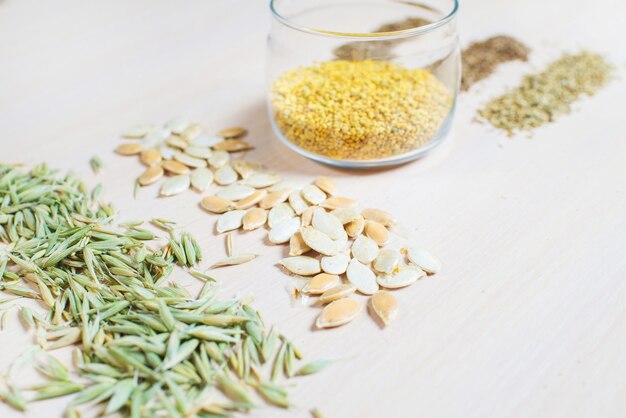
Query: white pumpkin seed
x=155 y=138
x=225 y=175
x=254 y=218
x=326 y=185
x=191 y=132
x=336 y=202
x=313 y=194
x=338 y=313
x=385 y=306
x=287 y=184
x=137 y=132
x=236 y=192
x=302 y=265
x=386 y=261
x=307 y=215
x=274 y=198
x=296 y=201
x=279 y=213
x=189 y=161
x=282 y=232
x=377 y=232
x=261 y=180
x=342 y=242
x=404 y=277
x=364 y=249
x=206 y=141
x=336 y=264
x=217 y=204
x=346 y=215
x=175 y=185
x=297 y=246
x=218 y=159
x=245 y=168
x=318 y=241
x=337 y=292
x=150 y=157
x=201 y=178
x=198 y=151
x=424 y=260
x=129 y=148
x=166 y=152
x=235 y=132
x=320 y=283
x=175 y=167
x=151 y=175
x=176 y=142
x=362 y=277
x=230 y=221
x=234 y=260
x=177 y=124
x=232 y=145
x=328 y=224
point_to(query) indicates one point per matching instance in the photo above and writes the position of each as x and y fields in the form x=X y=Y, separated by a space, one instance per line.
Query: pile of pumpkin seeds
x=143 y=346
x=335 y=248
x=183 y=153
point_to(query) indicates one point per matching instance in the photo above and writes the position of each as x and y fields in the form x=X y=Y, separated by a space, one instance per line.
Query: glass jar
x=362 y=83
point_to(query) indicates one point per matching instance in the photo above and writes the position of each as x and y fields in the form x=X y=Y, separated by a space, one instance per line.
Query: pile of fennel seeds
x=143 y=347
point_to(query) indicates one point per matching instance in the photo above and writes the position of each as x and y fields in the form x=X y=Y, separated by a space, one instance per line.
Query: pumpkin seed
x=175 y=185
x=377 y=232
x=307 y=215
x=291 y=184
x=175 y=167
x=218 y=158
x=177 y=124
x=245 y=168
x=336 y=264
x=386 y=261
x=326 y=185
x=130 y=148
x=283 y=231
x=320 y=283
x=261 y=180
x=217 y=204
x=151 y=175
x=423 y=259
x=236 y=192
x=364 y=249
x=232 y=145
x=338 y=313
x=176 y=142
x=251 y=200
x=230 y=133
x=346 y=215
x=296 y=201
x=229 y=244
x=137 y=132
x=404 y=277
x=234 y=260
x=328 y=224
x=225 y=175
x=167 y=153
x=318 y=241
x=274 y=198
x=313 y=194
x=230 y=221
x=150 y=157
x=191 y=132
x=336 y=202
x=201 y=178
x=279 y=213
x=198 y=151
x=297 y=246
x=337 y=292
x=301 y=265
x=378 y=215
x=384 y=306
x=189 y=161
x=361 y=277
x=206 y=141
x=356 y=227
x=254 y=218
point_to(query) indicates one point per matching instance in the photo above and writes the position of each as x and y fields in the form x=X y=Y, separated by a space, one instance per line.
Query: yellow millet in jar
x=359 y=110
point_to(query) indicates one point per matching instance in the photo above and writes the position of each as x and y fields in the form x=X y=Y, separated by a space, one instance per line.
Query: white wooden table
x=527 y=318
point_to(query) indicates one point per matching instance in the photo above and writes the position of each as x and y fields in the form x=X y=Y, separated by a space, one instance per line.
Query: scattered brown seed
x=231 y=133
x=377 y=232
x=326 y=185
x=336 y=202
x=151 y=175
x=320 y=283
x=175 y=167
x=355 y=228
x=232 y=145
x=129 y=148
x=251 y=200
x=338 y=313
x=254 y=218
x=384 y=306
x=217 y=204
x=150 y=157
x=274 y=198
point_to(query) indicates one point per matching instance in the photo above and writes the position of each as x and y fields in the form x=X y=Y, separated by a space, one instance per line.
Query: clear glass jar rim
x=368 y=36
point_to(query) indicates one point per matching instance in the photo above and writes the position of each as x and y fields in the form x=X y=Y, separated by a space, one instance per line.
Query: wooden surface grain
x=526 y=318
